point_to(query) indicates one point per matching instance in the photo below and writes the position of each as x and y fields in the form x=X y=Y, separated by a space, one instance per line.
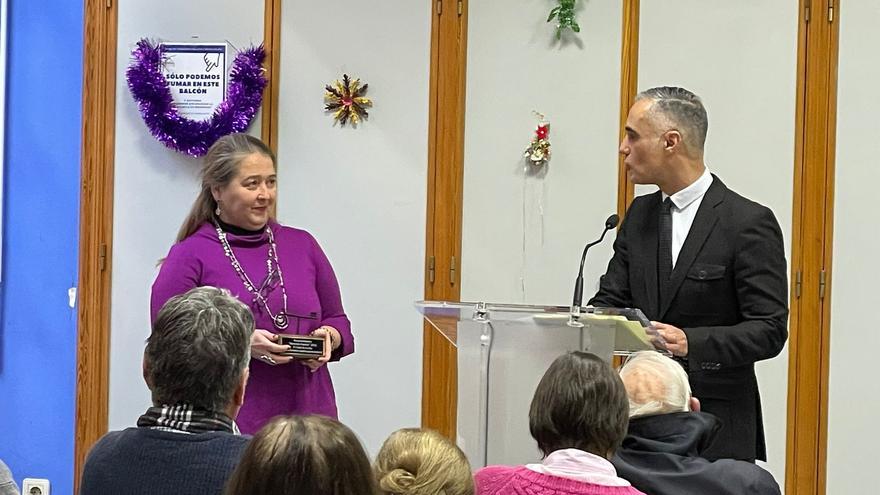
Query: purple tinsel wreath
x=234 y=114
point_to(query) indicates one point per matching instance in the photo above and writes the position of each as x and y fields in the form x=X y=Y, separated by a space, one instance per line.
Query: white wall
x=154 y=186
x=523 y=233
x=741 y=58
x=362 y=192
x=853 y=388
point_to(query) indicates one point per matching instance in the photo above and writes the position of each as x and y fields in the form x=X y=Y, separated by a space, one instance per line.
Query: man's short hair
x=655 y=384
x=198 y=349
x=580 y=403
x=682 y=110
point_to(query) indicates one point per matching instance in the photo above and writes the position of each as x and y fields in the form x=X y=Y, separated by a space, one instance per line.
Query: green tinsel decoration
x=564 y=15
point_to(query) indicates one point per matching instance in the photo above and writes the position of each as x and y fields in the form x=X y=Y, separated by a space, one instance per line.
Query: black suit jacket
x=728 y=292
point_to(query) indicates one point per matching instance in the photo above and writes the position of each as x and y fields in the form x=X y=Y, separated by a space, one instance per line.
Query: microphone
x=579 y=282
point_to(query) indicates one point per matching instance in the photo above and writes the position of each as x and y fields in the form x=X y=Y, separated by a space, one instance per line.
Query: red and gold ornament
x=538 y=151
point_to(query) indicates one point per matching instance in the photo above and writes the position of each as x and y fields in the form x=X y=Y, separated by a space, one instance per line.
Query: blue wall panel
x=41 y=211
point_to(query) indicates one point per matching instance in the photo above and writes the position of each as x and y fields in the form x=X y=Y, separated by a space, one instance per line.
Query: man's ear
x=672 y=139
x=146 y=375
x=238 y=396
x=695 y=404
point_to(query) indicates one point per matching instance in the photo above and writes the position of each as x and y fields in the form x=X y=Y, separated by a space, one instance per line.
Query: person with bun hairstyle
x=414 y=461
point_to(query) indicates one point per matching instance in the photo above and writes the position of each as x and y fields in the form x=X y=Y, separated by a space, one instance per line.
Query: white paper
x=196 y=75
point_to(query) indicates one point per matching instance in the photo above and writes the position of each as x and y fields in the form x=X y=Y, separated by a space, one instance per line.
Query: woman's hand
x=264 y=347
x=332 y=341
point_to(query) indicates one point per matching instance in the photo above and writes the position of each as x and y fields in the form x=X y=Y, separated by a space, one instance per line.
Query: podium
x=504 y=350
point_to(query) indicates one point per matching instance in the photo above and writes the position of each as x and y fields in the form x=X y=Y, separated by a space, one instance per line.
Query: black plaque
x=302 y=346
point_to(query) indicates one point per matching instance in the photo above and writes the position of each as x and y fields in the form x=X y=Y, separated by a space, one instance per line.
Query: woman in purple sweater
x=229 y=241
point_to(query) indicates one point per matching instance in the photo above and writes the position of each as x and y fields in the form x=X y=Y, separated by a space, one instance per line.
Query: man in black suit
x=704 y=263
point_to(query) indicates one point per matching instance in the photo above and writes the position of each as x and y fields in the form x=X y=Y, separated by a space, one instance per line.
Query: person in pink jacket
x=578 y=416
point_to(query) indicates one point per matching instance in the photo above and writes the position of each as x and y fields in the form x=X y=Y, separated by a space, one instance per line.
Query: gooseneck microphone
x=579 y=282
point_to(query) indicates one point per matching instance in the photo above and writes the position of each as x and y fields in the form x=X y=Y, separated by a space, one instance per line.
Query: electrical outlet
x=34 y=486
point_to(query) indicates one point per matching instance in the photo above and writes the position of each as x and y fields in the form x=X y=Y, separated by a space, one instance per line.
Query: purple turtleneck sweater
x=311 y=287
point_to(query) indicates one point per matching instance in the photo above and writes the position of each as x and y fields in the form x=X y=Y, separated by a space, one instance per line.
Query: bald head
x=655 y=384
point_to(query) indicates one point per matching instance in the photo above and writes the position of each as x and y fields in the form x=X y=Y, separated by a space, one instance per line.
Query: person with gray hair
x=705 y=264
x=196 y=367
x=656 y=384
x=7 y=484
x=662 y=453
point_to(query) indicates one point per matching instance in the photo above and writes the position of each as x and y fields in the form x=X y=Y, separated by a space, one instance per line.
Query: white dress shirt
x=685 y=204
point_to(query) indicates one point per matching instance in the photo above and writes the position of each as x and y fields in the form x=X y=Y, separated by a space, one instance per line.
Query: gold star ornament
x=347 y=101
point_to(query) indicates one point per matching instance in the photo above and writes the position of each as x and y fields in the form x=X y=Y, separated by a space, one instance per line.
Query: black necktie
x=664 y=249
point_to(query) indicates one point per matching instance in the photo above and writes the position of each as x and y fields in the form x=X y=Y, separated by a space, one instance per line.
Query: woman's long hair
x=303 y=455
x=219 y=168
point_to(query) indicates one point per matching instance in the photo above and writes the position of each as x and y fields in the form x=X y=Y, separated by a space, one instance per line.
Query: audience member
x=195 y=365
x=578 y=417
x=414 y=461
x=303 y=455
x=662 y=451
x=7 y=484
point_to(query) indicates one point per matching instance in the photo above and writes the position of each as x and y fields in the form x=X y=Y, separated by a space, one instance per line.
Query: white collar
x=682 y=199
x=581 y=466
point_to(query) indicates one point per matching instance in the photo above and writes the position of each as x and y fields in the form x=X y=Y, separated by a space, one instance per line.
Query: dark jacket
x=728 y=292
x=144 y=461
x=662 y=455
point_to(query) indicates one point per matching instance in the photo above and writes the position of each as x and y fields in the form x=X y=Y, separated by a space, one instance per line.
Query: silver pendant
x=280 y=321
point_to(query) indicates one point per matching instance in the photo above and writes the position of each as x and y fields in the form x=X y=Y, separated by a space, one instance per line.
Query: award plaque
x=302 y=346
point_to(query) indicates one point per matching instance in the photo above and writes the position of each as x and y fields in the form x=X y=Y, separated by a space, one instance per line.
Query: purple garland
x=234 y=114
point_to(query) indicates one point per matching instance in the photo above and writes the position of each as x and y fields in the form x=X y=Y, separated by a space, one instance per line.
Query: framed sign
x=196 y=75
x=182 y=95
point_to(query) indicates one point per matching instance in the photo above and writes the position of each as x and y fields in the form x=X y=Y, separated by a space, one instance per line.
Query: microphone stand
x=578 y=297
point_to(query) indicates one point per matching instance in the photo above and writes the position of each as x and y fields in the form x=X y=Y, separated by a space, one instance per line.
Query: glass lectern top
x=632 y=329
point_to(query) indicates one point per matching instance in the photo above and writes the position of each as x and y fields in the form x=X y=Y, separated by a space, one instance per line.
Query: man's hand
x=676 y=340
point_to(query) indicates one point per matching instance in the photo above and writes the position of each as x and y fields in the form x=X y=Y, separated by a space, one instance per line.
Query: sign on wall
x=196 y=75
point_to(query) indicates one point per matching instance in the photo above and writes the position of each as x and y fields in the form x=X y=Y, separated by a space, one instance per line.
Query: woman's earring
x=217 y=211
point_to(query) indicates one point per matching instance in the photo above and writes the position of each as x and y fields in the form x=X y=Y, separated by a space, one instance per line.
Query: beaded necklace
x=280 y=320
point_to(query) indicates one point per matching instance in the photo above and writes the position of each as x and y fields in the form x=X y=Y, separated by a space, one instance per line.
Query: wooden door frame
x=444 y=206
x=272 y=45
x=96 y=228
x=629 y=83
x=812 y=226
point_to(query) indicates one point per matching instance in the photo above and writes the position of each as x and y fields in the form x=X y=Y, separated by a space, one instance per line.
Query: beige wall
x=853 y=390
x=362 y=192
